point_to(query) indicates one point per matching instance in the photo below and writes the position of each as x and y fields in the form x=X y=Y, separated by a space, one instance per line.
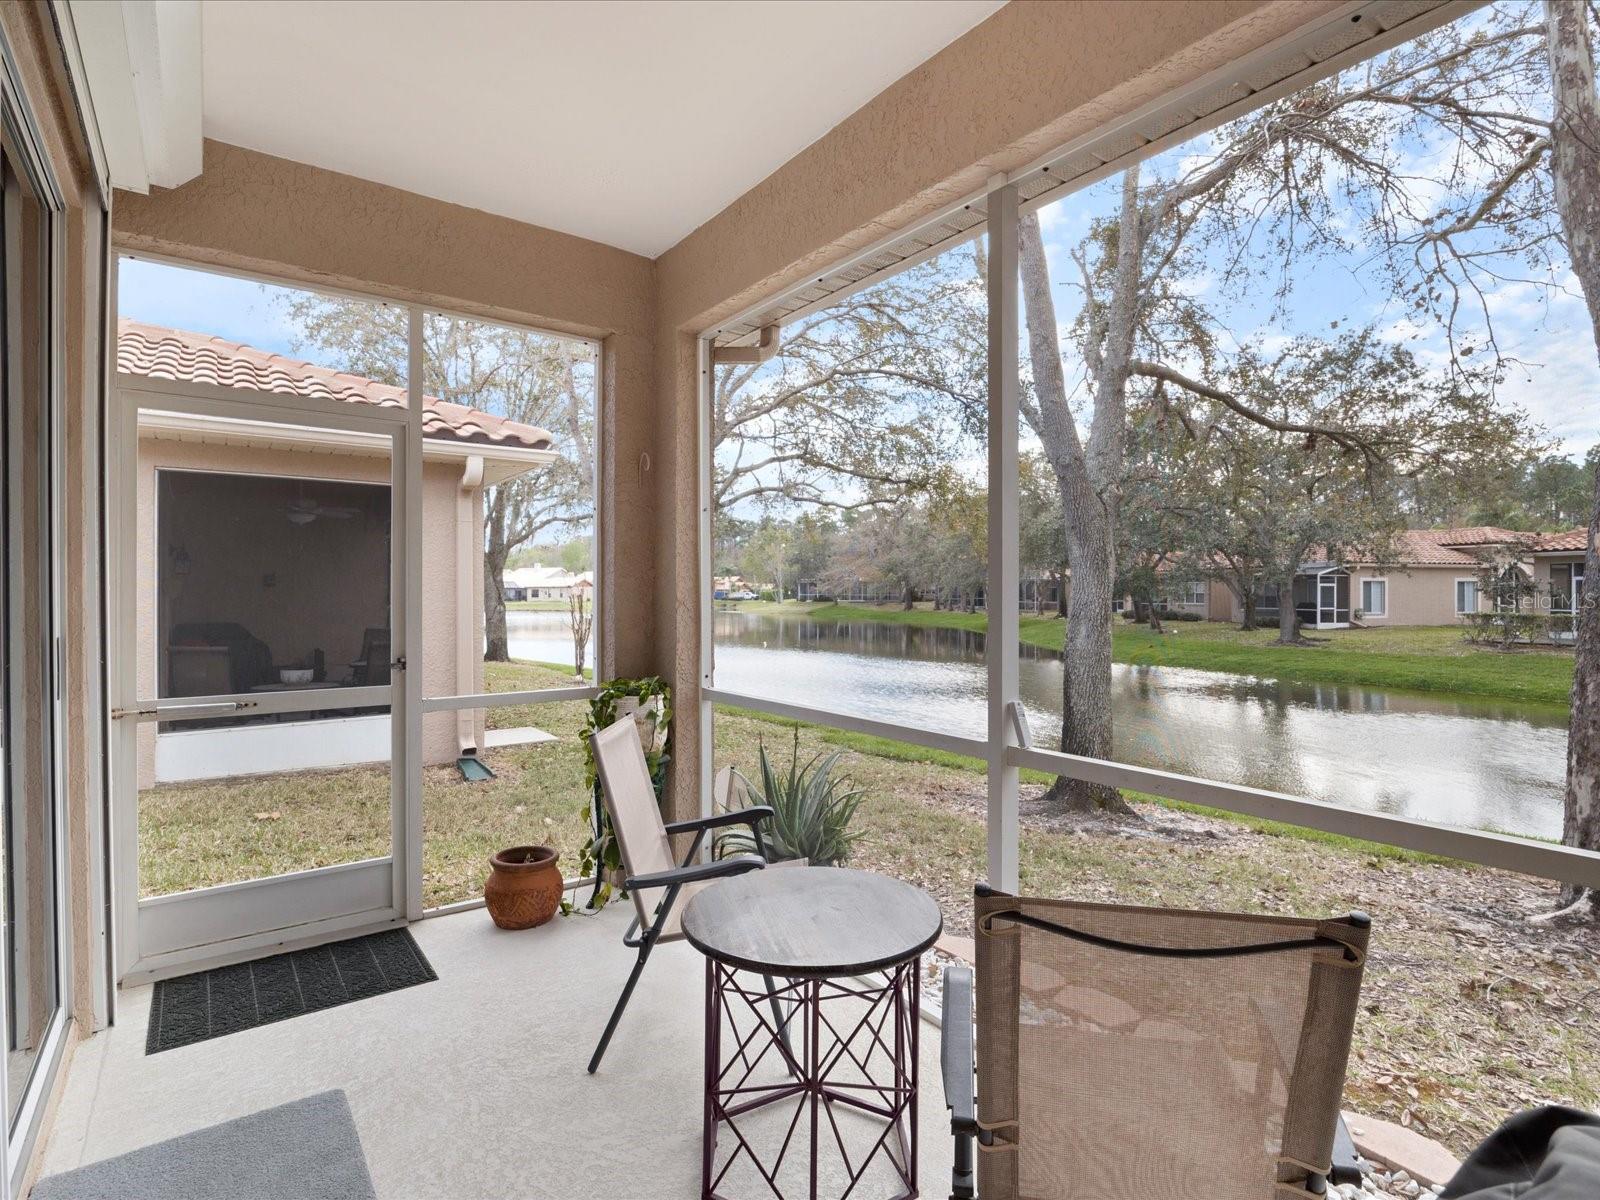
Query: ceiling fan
x=304 y=510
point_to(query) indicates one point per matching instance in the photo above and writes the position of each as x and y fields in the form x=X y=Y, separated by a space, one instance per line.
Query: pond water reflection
x=1488 y=764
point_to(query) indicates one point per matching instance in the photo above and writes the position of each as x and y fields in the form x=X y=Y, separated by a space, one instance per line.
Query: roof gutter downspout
x=763 y=350
x=469 y=569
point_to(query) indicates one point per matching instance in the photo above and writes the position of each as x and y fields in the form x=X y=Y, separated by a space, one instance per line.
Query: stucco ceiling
x=630 y=122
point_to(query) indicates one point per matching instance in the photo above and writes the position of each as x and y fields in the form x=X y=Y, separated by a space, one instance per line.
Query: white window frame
x=1006 y=748
x=1194 y=594
x=1375 y=612
x=1477 y=595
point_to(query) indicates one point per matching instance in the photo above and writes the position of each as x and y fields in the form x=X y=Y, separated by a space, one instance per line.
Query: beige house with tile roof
x=1431 y=580
x=266 y=549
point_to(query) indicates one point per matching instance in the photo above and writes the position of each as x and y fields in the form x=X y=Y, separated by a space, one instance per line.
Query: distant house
x=540 y=582
x=1431 y=579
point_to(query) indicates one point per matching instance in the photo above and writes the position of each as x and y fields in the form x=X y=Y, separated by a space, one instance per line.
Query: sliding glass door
x=31 y=830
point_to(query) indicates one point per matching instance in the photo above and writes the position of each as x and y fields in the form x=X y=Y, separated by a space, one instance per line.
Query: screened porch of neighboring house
x=331 y=330
x=1322 y=596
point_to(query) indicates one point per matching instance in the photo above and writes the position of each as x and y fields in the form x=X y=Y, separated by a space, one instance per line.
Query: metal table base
x=821 y=1045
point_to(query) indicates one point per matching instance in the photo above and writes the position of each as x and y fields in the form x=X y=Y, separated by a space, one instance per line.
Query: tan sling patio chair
x=1129 y=1053
x=659 y=884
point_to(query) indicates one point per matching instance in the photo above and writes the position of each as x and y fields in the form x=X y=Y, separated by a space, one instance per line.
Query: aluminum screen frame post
x=1001 y=599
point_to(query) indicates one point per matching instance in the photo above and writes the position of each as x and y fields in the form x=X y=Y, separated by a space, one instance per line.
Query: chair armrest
x=955 y=1050
x=736 y=816
x=697 y=872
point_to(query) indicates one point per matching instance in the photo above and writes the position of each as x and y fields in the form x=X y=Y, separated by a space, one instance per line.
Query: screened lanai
x=396 y=345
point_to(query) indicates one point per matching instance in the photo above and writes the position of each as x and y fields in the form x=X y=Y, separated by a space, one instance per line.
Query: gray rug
x=307 y=1149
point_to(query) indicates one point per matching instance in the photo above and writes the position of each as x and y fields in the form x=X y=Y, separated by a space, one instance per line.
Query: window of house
x=1194 y=594
x=1466 y=596
x=1375 y=597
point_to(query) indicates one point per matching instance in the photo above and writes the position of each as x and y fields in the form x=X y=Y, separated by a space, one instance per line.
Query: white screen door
x=257 y=671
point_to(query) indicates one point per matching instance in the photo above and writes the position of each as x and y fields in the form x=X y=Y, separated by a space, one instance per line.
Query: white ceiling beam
x=142 y=59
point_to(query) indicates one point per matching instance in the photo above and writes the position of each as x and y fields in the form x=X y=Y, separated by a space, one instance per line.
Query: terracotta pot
x=524 y=887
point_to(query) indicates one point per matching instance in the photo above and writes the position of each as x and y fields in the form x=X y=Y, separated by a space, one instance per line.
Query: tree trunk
x=497 y=646
x=1086 y=484
x=1575 y=165
x=1247 y=601
x=1061 y=593
x=1153 y=616
x=1288 y=619
x=906 y=599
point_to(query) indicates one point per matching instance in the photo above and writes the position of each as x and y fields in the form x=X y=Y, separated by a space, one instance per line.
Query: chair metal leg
x=622 y=1002
x=963 y=1185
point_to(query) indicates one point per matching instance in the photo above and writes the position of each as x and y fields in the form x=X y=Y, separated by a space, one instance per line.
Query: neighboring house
x=1558 y=571
x=540 y=582
x=855 y=591
x=266 y=548
x=1431 y=579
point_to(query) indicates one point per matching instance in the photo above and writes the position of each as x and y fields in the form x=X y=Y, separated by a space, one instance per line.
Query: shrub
x=811 y=811
x=768 y=594
x=1177 y=614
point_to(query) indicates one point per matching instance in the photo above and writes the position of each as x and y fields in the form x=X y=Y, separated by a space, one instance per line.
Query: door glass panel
x=263 y=571
x=28 y=727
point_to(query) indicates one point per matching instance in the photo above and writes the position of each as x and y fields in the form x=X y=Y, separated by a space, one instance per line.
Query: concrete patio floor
x=474 y=1085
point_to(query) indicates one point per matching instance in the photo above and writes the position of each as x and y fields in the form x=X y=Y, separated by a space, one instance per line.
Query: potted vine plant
x=649 y=702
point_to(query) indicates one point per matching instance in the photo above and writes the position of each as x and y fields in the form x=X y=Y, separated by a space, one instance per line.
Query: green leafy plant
x=811 y=811
x=601 y=852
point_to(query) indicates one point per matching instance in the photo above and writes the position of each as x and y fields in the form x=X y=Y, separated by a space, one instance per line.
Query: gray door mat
x=307 y=1148
x=208 y=1004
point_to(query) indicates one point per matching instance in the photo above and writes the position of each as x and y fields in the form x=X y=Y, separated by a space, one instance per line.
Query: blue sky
x=1557 y=380
x=239 y=310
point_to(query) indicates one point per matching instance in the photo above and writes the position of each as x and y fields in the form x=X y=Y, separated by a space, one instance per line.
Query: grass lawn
x=1416 y=658
x=200 y=834
x=1468 y=1012
x=538 y=606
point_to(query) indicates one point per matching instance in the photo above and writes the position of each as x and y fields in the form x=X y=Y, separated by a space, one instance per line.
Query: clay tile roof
x=1436 y=548
x=1575 y=540
x=160 y=353
x=1476 y=535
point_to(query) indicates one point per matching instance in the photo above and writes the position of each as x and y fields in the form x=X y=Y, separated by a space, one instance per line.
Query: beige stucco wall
x=1417 y=596
x=253 y=212
x=441 y=484
x=1030 y=78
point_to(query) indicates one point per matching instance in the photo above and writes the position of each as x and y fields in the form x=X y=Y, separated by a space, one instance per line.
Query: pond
x=1487 y=764
x=544 y=637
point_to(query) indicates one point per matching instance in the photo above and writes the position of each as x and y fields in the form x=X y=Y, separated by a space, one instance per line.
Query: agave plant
x=811 y=811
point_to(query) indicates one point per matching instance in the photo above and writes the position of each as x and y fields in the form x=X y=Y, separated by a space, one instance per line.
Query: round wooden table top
x=812 y=922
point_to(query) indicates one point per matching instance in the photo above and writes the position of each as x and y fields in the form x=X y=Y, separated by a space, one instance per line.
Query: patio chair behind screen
x=1157 y=1052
